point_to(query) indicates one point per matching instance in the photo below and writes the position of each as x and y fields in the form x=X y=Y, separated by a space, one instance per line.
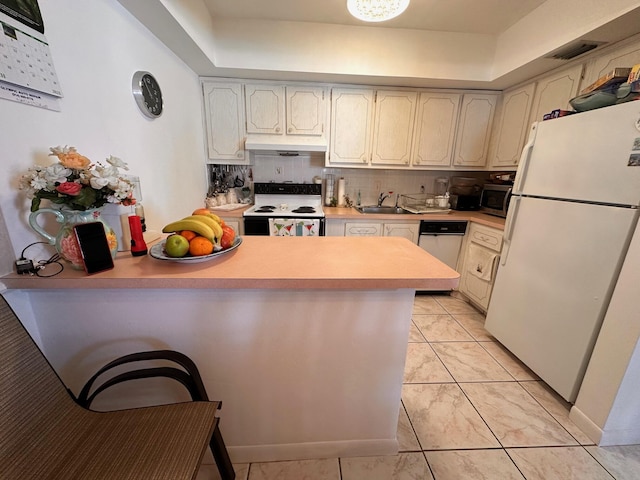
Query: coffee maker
x=465 y=193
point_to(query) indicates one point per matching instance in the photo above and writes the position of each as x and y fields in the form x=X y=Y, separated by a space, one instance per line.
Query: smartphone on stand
x=94 y=246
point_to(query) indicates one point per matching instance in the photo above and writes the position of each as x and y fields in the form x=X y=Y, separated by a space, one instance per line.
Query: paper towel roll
x=341 y=183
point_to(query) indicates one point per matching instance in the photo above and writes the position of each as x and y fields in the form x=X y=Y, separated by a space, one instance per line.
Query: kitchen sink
x=376 y=209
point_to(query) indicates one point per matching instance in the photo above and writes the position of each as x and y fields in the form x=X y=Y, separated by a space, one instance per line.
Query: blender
x=441 y=186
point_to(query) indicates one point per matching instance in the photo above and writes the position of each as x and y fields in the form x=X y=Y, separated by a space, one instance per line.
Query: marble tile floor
x=470 y=411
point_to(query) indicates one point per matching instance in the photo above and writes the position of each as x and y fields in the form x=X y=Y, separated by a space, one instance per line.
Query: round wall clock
x=147 y=93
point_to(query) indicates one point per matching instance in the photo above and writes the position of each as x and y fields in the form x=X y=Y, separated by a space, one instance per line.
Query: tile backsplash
x=369 y=182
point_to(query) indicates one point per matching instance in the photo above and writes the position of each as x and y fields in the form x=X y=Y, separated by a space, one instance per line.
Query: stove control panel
x=287 y=188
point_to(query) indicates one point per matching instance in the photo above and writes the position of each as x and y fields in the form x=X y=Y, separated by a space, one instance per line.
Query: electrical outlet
x=278 y=170
x=377 y=186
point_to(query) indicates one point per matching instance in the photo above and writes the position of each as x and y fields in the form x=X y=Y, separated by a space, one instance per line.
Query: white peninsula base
x=300 y=373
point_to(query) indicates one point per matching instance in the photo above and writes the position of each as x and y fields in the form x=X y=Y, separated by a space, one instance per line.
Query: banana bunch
x=206 y=225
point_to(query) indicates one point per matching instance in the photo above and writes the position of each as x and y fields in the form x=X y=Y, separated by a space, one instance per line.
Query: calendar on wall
x=27 y=74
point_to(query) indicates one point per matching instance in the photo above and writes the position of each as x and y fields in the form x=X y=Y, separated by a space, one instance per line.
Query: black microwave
x=495 y=199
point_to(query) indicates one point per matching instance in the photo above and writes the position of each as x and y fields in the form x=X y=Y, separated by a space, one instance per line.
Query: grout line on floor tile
x=424 y=455
x=599 y=462
x=551 y=414
x=468 y=399
x=411 y=423
x=514 y=463
x=499 y=363
x=464 y=449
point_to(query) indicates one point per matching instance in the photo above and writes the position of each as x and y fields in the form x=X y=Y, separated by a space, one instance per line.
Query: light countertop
x=343 y=213
x=373 y=263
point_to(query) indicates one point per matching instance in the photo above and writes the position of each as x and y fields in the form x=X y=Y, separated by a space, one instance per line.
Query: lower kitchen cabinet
x=479 y=263
x=339 y=228
x=410 y=231
x=359 y=229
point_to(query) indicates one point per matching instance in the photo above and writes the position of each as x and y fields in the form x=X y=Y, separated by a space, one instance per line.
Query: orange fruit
x=199 y=246
x=188 y=234
x=200 y=211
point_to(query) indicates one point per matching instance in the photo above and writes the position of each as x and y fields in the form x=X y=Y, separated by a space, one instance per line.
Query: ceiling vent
x=575 y=49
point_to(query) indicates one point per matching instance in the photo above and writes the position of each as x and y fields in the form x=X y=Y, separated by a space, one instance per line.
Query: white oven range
x=285 y=209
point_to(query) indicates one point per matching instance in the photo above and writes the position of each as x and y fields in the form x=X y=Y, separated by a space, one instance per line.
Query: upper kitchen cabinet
x=411 y=129
x=474 y=128
x=224 y=122
x=555 y=91
x=393 y=127
x=290 y=110
x=435 y=129
x=512 y=127
x=351 y=126
x=525 y=104
x=306 y=110
x=265 y=108
x=623 y=54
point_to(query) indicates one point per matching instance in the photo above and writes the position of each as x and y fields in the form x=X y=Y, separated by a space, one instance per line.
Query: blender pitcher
x=441 y=186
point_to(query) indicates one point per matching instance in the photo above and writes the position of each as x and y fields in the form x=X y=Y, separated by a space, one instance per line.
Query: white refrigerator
x=572 y=214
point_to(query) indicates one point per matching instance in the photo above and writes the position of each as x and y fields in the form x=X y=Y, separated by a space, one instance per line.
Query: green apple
x=176 y=246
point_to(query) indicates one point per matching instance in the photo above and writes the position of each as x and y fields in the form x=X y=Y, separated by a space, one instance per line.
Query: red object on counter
x=138 y=245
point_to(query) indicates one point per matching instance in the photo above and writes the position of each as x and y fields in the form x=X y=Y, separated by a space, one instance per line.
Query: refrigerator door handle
x=508 y=228
x=523 y=164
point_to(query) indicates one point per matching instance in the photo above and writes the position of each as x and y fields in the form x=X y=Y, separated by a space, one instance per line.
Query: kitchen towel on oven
x=480 y=262
x=288 y=227
x=282 y=227
x=307 y=228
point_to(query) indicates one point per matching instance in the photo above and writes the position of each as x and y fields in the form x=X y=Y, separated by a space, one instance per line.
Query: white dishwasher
x=442 y=239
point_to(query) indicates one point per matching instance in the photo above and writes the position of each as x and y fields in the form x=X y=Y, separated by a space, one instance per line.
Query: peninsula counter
x=303 y=339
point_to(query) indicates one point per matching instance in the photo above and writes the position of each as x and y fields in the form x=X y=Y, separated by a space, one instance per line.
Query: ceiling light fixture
x=376 y=10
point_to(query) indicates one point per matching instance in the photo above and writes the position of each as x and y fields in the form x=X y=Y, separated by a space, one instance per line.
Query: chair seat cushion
x=159 y=442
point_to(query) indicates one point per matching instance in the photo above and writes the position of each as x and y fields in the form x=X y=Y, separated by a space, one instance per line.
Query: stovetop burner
x=266 y=209
x=304 y=209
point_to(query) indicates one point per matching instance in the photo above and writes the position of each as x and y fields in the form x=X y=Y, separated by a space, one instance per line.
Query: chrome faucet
x=383 y=197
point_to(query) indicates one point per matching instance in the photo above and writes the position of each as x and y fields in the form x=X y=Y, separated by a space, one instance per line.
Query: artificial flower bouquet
x=77 y=183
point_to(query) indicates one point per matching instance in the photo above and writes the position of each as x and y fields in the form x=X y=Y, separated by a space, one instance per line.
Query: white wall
x=97 y=46
x=348 y=50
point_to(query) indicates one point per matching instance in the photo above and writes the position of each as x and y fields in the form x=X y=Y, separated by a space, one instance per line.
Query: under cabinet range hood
x=287 y=145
